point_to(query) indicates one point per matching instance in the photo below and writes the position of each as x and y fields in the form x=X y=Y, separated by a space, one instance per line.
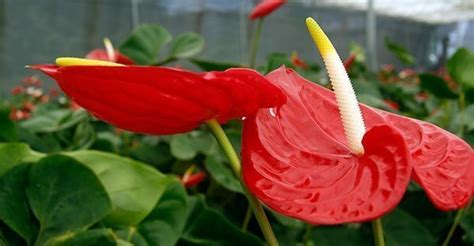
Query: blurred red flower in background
x=265 y=7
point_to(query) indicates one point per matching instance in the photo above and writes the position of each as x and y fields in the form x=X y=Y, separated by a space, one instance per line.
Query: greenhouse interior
x=236 y=122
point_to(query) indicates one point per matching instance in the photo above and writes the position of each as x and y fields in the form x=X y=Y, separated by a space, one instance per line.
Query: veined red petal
x=160 y=100
x=295 y=159
x=265 y=7
x=299 y=144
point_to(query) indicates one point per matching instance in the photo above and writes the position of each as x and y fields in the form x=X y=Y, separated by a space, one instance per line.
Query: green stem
x=377 y=229
x=462 y=106
x=457 y=219
x=255 y=43
x=307 y=235
x=248 y=216
x=257 y=208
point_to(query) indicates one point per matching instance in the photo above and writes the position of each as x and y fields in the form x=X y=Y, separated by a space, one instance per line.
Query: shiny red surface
x=101 y=54
x=161 y=100
x=265 y=7
x=295 y=158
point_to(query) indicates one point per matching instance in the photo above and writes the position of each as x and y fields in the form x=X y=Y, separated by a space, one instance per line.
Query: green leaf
x=12 y=154
x=48 y=121
x=14 y=208
x=206 y=226
x=145 y=43
x=96 y=237
x=467 y=223
x=165 y=224
x=65 y=196
x=9 y=131
x=333 y=235
x=213 y=66
x=288 y=221
x=133 y=187
x=186 y=45
x=400 y=52
x=221 y=172
x=461 y=68
x=400 y=228
x=183 y=147
x=187 y=146
x=436 y=86
x=467 y=117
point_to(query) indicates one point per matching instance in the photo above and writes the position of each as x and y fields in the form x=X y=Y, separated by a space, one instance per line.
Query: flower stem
x=234 y=161
x=248 y=216
x=462 y=107
x=456 y=221
x=307 y=235
x=377 y=228
x=255 y=43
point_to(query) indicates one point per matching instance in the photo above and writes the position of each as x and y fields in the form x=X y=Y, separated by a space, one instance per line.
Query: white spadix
x=351 y=116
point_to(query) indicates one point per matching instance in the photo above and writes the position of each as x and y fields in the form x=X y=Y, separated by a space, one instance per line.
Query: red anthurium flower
x=161 y=100
x=109 y=54
x=265 y=7
x=299 y=158
x=296 y=161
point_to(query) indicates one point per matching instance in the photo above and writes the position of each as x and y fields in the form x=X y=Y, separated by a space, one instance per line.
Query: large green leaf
x=165 y=224
x=206 y=226
x=400 y=228
x=96 y=237
x=54 y=120
x=145 y=43
x=133 y=187
x=12 y=154
x=65 y=196
x=212 y=65
x=436 y=86
x=9 y=131
x=186 y=45
x=14 y=208
x=461 y=68
x=400 y=52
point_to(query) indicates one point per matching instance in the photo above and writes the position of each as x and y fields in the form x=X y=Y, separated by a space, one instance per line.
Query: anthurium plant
x=133 y=149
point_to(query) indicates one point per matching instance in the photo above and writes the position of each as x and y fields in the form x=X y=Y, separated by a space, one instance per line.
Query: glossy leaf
x=65 y=197
x=436 y=86
x=14 y=208
x=145 y=43
x=133 y=187
x=206 y=226
x=461 y=68
x=186 y=45
x=12 y=154
x=402 y=229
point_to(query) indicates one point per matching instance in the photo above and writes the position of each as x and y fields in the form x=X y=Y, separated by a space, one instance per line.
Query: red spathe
x=295 y=158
